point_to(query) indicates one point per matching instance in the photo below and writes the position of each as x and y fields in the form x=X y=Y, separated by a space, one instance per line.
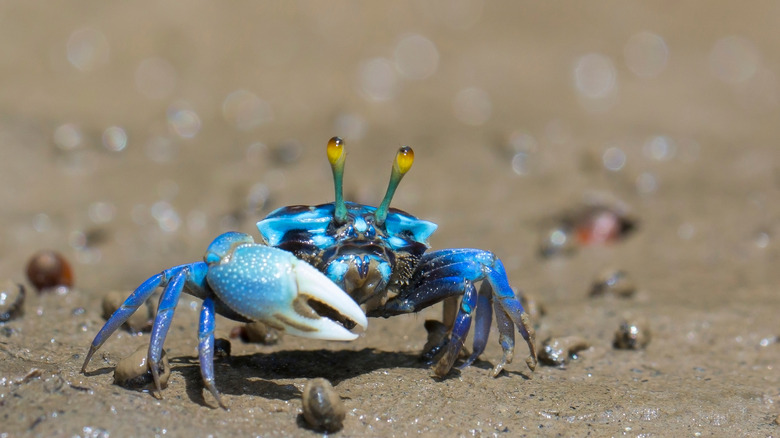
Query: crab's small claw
x=267 y=284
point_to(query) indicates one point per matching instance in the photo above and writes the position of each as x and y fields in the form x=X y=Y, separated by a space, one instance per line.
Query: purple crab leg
x=459 y=331
x=131 y=304
x=482 y=322
x=506 y=337
x=206 y=348
x=507 y=301
x=162 y=322
x=436 y=278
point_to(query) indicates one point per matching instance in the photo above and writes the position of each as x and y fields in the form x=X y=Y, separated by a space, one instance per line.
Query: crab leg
x=482 y=322
x=162 y=322
x=506 y=337
x=131 y=304
x=206 y=347
x=459 y=331
x=468 y=265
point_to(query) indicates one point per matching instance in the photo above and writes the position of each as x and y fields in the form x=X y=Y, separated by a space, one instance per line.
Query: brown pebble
x=222 y=348
x=140 y=321
x=613 y=282
x=11 y=301
x=438 y=338
x=322 y=406
x=633 y=334
x=256 y=332
x=48 y=269
x=133 y=372
x=559 y=351
x=533 y=307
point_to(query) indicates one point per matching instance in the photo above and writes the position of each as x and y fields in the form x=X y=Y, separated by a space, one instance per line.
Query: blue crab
x=317 y=265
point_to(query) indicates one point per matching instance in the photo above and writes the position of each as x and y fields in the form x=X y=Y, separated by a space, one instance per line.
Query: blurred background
x=131 y=134
x=130 y=128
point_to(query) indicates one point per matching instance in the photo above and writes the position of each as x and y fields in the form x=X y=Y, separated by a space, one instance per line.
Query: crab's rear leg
x=434 y=280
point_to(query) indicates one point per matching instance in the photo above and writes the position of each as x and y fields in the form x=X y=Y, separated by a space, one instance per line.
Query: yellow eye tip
x=404 y=159
x=335 y=150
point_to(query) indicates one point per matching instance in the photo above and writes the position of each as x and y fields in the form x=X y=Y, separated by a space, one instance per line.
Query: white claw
x=313 y=283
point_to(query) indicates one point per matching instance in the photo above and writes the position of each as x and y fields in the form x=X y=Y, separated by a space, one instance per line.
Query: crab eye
x=335 y=150
x=337 y=156
x=403 y=162
x=404 y=159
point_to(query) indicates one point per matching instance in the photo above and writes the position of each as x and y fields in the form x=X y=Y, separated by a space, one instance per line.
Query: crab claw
x=263 y=283
x=320 y=310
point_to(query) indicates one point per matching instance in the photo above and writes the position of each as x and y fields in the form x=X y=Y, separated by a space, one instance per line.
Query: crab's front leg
x=452 y=272
x=174 y=280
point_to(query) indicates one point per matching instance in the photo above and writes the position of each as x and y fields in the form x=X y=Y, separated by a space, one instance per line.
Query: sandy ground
x=517 y=113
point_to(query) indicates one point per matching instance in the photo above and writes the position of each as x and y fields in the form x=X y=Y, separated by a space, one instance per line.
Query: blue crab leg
x=507 y=301
x=482 y=322
x=206 y=348
x=471 y=265
x=131 y=304
x=506 y=332
x=162 y=322
x=459 y=331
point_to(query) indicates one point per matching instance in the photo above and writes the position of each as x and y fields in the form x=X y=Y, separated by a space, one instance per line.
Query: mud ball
x=633 y=334
x=140 y=321
x=613 y=282
x=559 y=351
x=222 y=348
x=322 y=406
x=256 y=332
x=11 y=301
x=438 y=338
x=48 y=269
x=133 y=372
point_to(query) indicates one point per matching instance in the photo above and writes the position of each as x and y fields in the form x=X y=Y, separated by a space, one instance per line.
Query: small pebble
x=222 y=348
x=633 y=334
x=322 y=406
x=559 y=351
x=558 y=239
x=590 y=225
x=256 y=332
x=533 y=307
x=133 y=372
x=11 y=301
x=598 y=225
x=438 y=338
x=48 y=269
x=140 y=321
x=613 y=282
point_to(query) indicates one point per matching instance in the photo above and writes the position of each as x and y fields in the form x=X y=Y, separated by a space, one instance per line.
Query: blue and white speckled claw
x=263 y=283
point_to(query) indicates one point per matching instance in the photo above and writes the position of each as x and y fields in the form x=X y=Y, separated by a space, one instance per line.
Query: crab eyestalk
x=336 y=156
x=403 y=162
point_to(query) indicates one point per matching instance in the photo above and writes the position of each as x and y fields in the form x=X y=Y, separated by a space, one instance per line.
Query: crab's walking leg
x=468 y=265
x=482 y=322
x=162 y=322
x=460 y=329
x=131 y=304
x=206 y=348
x=506 y=337
x=511 y=306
